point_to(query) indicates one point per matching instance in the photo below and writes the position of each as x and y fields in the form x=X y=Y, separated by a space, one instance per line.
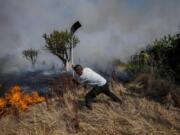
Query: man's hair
x=77 y=67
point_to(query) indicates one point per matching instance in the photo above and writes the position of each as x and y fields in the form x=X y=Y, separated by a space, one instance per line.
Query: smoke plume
x=111 y=29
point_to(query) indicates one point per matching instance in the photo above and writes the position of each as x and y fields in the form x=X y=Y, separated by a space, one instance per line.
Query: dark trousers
x=98 y=90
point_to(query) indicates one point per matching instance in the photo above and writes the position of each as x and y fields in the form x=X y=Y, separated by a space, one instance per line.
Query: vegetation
x=62 y=109
x=31 y=55
x=63 y=112
x=61 y=44
x=136 y=116
x=162 y=56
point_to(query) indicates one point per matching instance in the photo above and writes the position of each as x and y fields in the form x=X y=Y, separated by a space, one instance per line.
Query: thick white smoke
x=111 y=28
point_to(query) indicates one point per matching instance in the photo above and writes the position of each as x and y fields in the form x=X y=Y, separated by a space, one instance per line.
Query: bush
x=162 y=56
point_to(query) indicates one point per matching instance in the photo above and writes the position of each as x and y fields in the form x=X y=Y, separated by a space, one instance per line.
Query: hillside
x=64 y=116
x=150 y=93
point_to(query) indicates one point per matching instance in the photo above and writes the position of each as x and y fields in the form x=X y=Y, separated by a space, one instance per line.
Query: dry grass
x=152 y=87
x=136 y=116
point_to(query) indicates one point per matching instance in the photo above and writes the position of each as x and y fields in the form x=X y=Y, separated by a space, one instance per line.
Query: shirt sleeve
x=82 y=81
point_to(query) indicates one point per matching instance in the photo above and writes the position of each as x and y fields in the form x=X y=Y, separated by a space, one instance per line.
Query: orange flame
x=15 y=97
x=3 y=103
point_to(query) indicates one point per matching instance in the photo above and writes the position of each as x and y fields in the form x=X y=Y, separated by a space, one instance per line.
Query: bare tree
x=31 y=55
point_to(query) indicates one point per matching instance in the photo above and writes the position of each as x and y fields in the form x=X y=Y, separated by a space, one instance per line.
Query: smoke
x=112 y=29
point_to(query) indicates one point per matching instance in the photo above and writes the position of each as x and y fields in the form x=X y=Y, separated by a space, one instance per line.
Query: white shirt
x=90 y=77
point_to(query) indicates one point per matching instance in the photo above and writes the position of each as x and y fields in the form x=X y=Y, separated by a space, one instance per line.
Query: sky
x=111 y=29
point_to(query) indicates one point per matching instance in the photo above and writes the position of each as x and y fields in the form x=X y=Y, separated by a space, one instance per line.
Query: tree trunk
x=66 y=66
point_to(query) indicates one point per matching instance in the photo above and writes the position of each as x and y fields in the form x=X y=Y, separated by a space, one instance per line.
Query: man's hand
x=75 y=81
x=71 y=65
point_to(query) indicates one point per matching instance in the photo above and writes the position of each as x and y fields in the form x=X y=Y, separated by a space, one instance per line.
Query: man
x=99 y=84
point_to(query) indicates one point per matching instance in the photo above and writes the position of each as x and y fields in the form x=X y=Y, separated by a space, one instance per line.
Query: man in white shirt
x=99 y=84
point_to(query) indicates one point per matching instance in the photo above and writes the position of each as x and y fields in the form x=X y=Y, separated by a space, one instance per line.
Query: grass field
x=66 y=116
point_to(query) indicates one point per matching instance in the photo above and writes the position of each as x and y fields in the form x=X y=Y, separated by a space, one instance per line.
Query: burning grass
x=16 y=98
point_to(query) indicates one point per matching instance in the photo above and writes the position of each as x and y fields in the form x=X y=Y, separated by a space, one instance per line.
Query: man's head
x=78 y=69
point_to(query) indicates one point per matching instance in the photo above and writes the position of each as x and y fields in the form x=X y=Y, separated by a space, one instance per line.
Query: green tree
x=31 y=55
x=61 y=44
